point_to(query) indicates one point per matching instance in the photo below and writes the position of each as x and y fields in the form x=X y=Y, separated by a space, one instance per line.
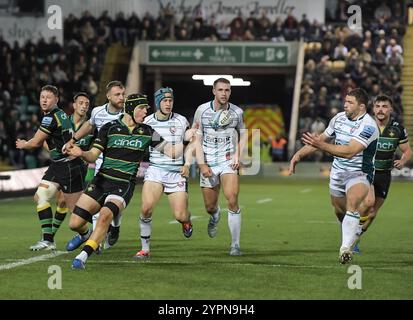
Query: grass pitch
x=290 y=241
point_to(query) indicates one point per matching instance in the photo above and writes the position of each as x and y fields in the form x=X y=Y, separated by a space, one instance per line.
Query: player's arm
x=85 y=129
x=406 y=155
x=89 y=156
x=35 y=142
x=343 y=151
x=304 y=152
x=188 y=157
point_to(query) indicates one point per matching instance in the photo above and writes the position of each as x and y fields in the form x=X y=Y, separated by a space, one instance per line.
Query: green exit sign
x=217 y=54
x=266 y=55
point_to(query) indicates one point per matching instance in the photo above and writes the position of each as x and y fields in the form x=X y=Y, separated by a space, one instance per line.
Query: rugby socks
x=95 y=220
x=87 y=250
x=234 y=224
x=146 y=230
x=86 y=235
x=350 y=227
x=117 y=221
x=216 y=215
x=59 y=217
x=362 y=221
x=46 y=221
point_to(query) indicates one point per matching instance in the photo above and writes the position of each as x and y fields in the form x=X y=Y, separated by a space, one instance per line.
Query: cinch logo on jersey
x=130 y=142
x=388 y=145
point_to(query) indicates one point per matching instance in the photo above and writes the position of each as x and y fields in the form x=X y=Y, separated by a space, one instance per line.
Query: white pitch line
x=261 y=201
x=23 y=262
x=306 y=190
x=338 y=266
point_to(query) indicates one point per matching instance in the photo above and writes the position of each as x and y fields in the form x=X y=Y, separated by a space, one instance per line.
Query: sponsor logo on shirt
x=46 y=121
x=367 y=132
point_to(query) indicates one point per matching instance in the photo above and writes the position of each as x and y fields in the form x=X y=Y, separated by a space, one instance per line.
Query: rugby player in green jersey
x=65 y=172
x=392 y=136
x=123 y=143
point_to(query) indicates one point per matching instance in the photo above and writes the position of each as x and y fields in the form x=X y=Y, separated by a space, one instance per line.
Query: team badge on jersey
x=172 y=130
x=391 y=133
x=140 y=131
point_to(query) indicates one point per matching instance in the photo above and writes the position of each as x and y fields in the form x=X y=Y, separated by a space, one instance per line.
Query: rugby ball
x=224 y=118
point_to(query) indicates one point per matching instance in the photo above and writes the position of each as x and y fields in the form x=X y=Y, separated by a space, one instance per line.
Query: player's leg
x=382 y=181
x=179 y=205
x=98 y=164
x=210 y=187
x=45 y=193
x=211 y=195
x=356 y=191
x=61 y=212
x=112 y=207
x=151 y=193
x=339 y=205
x=85 y=208
x=230 y=186
x=366 y=207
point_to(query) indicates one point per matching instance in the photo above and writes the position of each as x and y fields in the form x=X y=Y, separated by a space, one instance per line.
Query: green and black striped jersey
x=122 y=149
x=87 y=140
x=57 y=125
x=390 y=138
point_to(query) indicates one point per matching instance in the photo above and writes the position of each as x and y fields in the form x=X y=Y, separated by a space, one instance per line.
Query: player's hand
x=293 y=163
x=398 y=164
x=185 y=171
x=68 y=145
x=20 y=143
x=191 y=132
x=235 y=162
x=74 y=151
x=311 y=139
x=205 y=170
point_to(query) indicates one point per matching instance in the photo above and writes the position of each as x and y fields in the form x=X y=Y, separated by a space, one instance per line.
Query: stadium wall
x=222 y=10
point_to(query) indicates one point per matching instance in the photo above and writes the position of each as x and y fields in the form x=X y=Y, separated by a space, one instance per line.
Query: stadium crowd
x=336 y=59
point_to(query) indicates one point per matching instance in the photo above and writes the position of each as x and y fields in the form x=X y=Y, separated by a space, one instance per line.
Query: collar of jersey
x=156 y=118
x=107 y=110
x=55 y=107
x=212 y=106
x=72 y=121
x=359 y=118
x=124 y=125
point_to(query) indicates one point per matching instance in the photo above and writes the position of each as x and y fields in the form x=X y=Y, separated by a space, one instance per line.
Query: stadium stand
x=336 y=59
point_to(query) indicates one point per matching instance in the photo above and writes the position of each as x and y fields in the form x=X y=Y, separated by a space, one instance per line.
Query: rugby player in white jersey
x=218 y=155
x=356 y=135
x=165 y=174
x=115 y=93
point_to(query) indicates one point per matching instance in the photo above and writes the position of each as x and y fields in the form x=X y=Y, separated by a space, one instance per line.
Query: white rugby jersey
x=171 y=130
x=101 y=115
x=365 y=131
x=219 y=144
